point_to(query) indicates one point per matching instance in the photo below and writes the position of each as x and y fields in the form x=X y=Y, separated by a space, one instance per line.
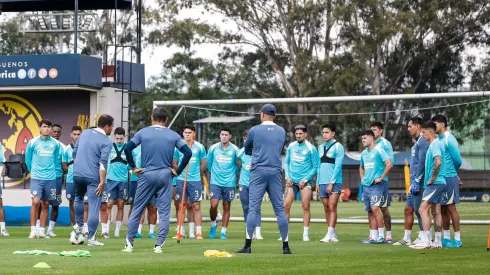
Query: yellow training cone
x=41 y=265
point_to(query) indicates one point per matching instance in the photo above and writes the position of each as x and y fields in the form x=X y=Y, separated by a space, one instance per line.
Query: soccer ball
x=76 y=239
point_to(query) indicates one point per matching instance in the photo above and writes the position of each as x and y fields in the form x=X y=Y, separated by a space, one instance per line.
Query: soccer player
x=68 y=166
x=329 y=178
x=221 y=163
x=117 y=187
x=197 y=166
x=244 y=162
x=3 y=230
x=450 y=196
x=375 y=164
x=378 y=129
x=265 y=143
x=151 y=207
x=301 y=165
x=155 y=175
x=56 y=134
x=90 y=158
x=434 y=185
x=417 y=167
x=42 y=155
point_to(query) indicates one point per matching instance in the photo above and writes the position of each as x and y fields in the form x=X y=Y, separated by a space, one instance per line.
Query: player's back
x=269 y=140
x=157 y=147
x=90 y=153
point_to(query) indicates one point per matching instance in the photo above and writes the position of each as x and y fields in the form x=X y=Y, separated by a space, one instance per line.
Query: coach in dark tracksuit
x=265 y=143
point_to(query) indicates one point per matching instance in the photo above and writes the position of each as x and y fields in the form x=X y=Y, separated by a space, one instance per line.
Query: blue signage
x=474 y=196
x=131 y=76
x=54 y=69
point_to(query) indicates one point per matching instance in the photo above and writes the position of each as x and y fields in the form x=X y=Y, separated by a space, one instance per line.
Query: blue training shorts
x=115 y=190
x=59 y=186
x=386 y=195
x=433 y=193
x=70 y=191
x=373 y=195
x=336 y=189
x=193 y=191
x=221 y=193
x=451 y=192
x=44 y=189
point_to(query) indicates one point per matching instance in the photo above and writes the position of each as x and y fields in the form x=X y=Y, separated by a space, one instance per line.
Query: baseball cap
x=268 y=109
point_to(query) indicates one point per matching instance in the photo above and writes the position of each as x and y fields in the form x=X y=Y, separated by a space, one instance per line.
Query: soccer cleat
x=116 y=234
x=94 y=242
x=436 y=245
x=158 y=249
x=177 y=236
x=4 y=233
x=403 y=242
x=420 y=246
x=456 y=244
x=212 y=232
x=128 y=248
x=199 y=236
x=222 y=235
x=366 y=241
x=138 y=235
x=446 y=242
x=33 y=235
x=306 y=238
x=326 y=239
x=105 y=236
x=257 y=237
x=334 y=239
x=244 y=250
x=192 y=237
x=418 y=240
x=389 y=240
x=380 y=240
x=152 y=236
x=51 y=234
x=280 y=239
x=286 y=250
x=41 y=235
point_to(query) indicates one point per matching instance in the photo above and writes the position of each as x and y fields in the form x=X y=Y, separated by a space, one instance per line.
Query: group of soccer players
x=109 y=172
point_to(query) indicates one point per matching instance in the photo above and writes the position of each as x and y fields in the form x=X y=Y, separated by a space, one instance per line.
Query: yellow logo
x=19 y=122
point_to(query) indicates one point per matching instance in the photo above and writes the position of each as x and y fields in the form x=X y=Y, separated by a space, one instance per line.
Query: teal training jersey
x=68 y=157
x=246 y=161
x=453 y=158
x=386 y=146
x=198 y=154
x=137 y=161
x=117 y=170
x=330 y=172
x=374 y=164
x=222 y=165
x=301 y=161
x=59 y=167
x=42 y=156
x=436 y=148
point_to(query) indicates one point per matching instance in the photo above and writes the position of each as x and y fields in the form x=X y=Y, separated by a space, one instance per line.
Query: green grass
x=348 y=256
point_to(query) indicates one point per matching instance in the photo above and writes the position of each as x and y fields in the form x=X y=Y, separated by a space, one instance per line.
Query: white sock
x=438 y=236
x=223 y=230
x=426 y=236
x=104 y=228
x=41 y=230
x=118 y=226
x=38 y=224
x=457 y=236
x=33 y=228
x=372 y=234
x=408 y=234
x=75 y=226
x=305 y=230
x=139 y=228
x=330 y=231
x=182 y=230
x=199 y=229
x=447 y=234
x=388 y=234
x=2 y=226
x=152 y=229
x=51 y=226
x=421 y=234
x=108 y=226
x=430 y=236
x=213 y=223
x=381 y=232
x=257 y=230
x=85 y=227
x=191 y=229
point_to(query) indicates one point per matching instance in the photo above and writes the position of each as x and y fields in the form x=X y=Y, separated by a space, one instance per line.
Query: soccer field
x=348 y=256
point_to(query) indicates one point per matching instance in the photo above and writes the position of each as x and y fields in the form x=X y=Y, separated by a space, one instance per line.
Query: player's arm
x=437 y=167
x=103 y=165
x=130 y=146
x=64 y=160
x=203 y=162
x=361 y=171
x=210 y=159
x=75 y=149
x=421 y=155
x=388 y=164
x=187 y=152
x=248 y=147
x=339 y=160
x=454 y=152
x=29 y=151
x=287 y=172
x=175 y=163
x=314 y=160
